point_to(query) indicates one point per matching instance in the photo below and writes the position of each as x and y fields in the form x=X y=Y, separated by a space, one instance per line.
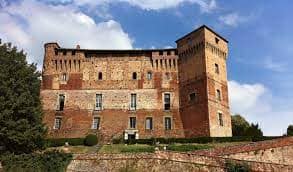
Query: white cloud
x=31 y=23
x=257 y=104
x=205 y=5
x=233 y=19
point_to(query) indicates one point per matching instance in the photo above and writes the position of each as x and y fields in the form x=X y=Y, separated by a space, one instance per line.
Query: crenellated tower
x=203 y=91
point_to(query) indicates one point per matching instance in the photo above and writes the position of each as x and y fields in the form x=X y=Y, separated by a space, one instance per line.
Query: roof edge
x=201 y=27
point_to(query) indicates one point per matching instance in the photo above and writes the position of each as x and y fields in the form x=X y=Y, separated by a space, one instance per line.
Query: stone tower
x=203 y=91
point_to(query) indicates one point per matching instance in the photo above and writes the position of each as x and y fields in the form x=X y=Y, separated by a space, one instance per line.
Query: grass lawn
x=120 y=148
x=78 y=149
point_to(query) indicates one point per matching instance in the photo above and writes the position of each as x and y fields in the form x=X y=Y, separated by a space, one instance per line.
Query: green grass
x=188 y=147
x=120 y=148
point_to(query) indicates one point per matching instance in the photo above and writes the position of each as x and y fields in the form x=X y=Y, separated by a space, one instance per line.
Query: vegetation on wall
x=237 y=167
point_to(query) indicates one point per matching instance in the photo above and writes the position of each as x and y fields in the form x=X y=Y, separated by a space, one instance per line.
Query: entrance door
x=131 y=136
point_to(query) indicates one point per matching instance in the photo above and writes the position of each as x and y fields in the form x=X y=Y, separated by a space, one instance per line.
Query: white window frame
x=220 y=118
x=100 y=107
x=218 y=95
x=135 y=123
x=151 y=124
x=56 y=123
x=149 y=75
x=133 y=102
x=165 y=124
x=164 y=103
x=59 y=101
x=96 y=124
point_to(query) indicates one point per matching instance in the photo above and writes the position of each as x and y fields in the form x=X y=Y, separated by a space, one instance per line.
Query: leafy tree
x=239 y=125
x=254 y=130
x=290 y=130
x=21 y=128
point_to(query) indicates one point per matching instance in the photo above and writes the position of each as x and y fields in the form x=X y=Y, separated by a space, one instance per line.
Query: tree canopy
x=21 y=128
x=241 y=127
x=290 y=130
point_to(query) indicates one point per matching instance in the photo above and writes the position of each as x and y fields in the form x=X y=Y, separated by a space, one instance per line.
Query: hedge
x=187 y=147
x=153 y=141
x=52 y=161
x=91 y=140
x=61 y=142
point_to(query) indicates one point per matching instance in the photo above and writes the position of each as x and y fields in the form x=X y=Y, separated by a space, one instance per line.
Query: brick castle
x=179 y=92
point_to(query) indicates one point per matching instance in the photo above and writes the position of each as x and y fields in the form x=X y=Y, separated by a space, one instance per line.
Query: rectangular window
x=132 y=122
x=61 y=102
x=149 y=75
x=96 y=123
x=221 y=122
x=217 y=70
x=193 y=97
x=98 y=101
x=168 y=124
x=218 y=95
x=57 y=124
x=133 y=102
x=167 y=101
x=149 y=123
x=64 y=77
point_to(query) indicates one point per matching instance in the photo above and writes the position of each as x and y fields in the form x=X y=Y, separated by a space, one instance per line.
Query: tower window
x=64 y=53
x=167 y=101
x=96 y=123
x=100 y=76
x=57 y=123
x=73 y=53
x=134 y=76
x=149 y=123
x=217 y=69
x=218 y=94
x=161 y=53
x=220 y=118
x=168 y=124
x=132 y=122
x=61 y=102
x=149 y=75
x=168 y=53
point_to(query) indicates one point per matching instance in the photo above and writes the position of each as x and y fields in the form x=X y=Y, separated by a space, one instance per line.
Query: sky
x=259 y=33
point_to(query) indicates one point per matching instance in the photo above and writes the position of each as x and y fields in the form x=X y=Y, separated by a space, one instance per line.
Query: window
x=64 y=53
x=133 y=102
x=134 y=76
x=149 y=123
x=167 y=74
x=98 y=101
x=167 y=101
x=161 y=53
x=64 y=77
x=168 y=53
x=192 y=97
x=100 y=76
x=96 y=123
x=217 y=40
x=57 y=124
x=149 y=75
x=220 y=116
x=132 y=122
x=73 y=53
x=217 y=69
x=61 y=102
x=168 y=124
x=218 y=95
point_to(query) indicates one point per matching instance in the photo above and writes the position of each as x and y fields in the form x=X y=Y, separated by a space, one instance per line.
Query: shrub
x=52 y=161
x=138 y=148
x=62 y=141
x=185 y=148
x=91 y=140
x=237 y=167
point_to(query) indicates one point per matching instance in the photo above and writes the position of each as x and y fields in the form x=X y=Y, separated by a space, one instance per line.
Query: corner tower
x=203 y=91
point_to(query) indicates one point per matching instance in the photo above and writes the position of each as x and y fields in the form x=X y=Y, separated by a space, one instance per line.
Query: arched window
x=100 y=76
x=134 y=76
x=149 y=75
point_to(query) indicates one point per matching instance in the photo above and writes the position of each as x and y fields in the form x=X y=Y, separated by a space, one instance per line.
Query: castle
x=178 y=92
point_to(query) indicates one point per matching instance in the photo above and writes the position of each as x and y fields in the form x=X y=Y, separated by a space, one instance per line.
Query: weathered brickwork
x=145 y=84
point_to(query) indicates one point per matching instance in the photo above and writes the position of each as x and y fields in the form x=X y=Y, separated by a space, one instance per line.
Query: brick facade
x=148 y=79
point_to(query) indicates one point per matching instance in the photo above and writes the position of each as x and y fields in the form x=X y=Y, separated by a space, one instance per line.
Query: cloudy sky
x=260 y=34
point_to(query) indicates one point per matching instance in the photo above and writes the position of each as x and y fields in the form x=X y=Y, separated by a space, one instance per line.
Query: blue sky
x=259 y=33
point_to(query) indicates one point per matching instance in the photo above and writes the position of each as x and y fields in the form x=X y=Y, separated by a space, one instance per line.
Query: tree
x=239 y=125
x=21 y=128
x=254 y=130
x=290 y=130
